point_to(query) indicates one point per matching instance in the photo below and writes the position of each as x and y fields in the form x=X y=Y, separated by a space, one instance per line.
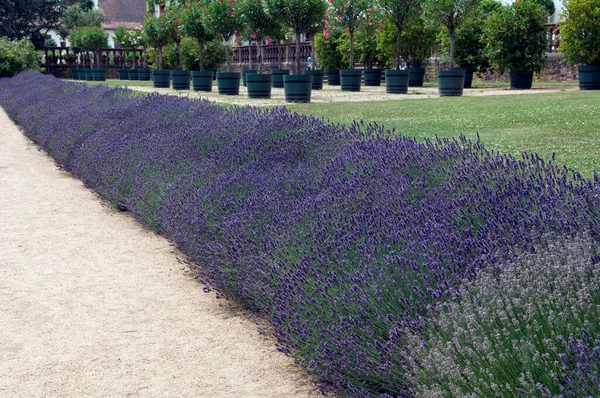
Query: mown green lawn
x=566 y=123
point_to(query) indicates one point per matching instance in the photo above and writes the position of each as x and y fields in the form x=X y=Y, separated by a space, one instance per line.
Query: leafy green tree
x=451 y=14
x=155 y=33
x=397 y=12
x=420 y=37
x=580 y=32
x=469 y=48
x=74 y=15
x=258 y=23
x=90 y=39
x=366 y=38
x=516 y=38
x=298 y=15
x=327 y=50
x=223 y=18
x=194 y=25
x=28 y=19
x=349 y=14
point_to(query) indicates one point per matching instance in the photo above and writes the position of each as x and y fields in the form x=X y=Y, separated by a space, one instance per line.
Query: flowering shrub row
x=347 y=241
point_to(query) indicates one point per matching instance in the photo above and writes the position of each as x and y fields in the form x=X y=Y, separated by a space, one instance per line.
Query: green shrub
x=580 y=32
x=17 y=56
x=214 y=54
x=328 y=53
x=516 y=38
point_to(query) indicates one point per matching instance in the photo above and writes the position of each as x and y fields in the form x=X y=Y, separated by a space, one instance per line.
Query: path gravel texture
x=94 y=305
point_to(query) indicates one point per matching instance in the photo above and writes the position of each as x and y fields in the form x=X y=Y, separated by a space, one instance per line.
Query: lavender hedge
x=346 y=240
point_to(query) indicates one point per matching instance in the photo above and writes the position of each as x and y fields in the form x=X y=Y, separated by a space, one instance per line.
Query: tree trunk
x=201 y=48
x=298 y=62
x=160 y=57
x=398 y=45
x=259 y=53
x=351 y=49
x=227 y=60
x=250 y=54
x=178 y=45
x=451 y=28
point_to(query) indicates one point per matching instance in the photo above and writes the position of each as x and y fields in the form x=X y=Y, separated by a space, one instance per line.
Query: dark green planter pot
x=161 y=78
x=278 y=75
x=451 y=82
x=214 y=72
x=350 y=80
x=133 y=74
x=468 y=77
x=244 y=73
x=297 y=88
x=521 y=82
x=228 y=83
x=396 y=81
x=88 y=74
x=416 y=77
x=99 y=74
x=333 y=77
x=75 y=73
x=123 y=74
x=202 y=80
x=180 y=79
x=589 y=77
x=259 y=85
x=317 y=82
x=144 y=74
x=372 y=77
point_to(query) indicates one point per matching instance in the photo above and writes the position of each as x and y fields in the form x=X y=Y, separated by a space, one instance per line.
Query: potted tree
x=397 y=11
x=451 y=14
x=180 y=78
x=348 y=14
x=121 y=40
x=469 y=49
x=155 y=32
x=223 y=19
x=418 y=39
x=298 y=15
x=580 y=35
x=366 y=41
x=328 y=53
x=91 y=39
x=517 y=42
x=259 y=24
x=193 y=24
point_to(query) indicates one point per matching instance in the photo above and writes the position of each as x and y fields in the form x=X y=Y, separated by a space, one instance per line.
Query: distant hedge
x=347 y=241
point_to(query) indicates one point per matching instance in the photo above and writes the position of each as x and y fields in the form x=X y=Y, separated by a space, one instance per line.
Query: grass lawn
x=567 y=123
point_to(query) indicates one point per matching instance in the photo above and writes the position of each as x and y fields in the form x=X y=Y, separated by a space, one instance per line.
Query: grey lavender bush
x=531 y=328
x=343 y=238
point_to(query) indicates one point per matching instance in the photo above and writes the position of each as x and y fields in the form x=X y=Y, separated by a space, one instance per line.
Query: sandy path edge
x=92 y=304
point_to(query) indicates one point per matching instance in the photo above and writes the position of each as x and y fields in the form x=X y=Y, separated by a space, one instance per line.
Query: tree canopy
x=28 y=18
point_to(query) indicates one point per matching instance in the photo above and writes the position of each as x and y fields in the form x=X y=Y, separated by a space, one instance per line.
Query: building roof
x=127 y=13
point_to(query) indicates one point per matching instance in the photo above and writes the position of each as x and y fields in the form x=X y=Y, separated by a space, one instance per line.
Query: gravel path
x=331 y=94
x=93 y=305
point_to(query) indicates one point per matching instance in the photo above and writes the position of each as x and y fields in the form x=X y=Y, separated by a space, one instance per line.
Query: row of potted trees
x=480 y=34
